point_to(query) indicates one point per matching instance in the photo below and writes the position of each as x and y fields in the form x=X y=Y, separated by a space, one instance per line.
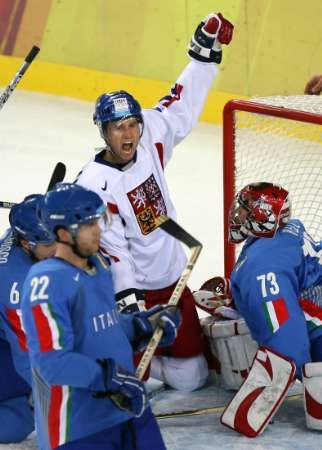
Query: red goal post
x=274 y=139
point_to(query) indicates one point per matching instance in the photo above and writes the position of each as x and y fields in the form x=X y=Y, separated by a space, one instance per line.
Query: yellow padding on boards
x=86 y=84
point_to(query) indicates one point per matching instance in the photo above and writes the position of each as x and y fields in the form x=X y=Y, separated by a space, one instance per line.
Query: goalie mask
x=258 y=210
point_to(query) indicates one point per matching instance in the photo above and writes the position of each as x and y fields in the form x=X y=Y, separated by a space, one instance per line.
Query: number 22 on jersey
x=38 y=288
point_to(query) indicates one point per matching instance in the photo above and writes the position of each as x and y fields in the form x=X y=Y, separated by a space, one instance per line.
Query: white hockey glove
x=205 y=44
x=213 y=295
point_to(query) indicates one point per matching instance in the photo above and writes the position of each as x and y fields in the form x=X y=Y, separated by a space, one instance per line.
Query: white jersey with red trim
x=143 y=256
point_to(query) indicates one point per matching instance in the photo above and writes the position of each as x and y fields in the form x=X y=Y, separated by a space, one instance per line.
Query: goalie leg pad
x=312 y=384
x=266 y=386
x=232 y=345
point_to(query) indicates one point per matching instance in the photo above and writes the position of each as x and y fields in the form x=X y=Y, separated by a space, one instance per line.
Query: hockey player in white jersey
x=128 y=174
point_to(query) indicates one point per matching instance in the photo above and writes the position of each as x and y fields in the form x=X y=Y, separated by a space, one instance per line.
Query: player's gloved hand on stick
x=123 y=388
x=165 y=316
x=205 y=44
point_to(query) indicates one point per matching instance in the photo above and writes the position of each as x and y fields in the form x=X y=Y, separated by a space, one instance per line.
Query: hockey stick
x=12 y=85
x=172 y=228
x=175 y=230
x=58 y=175
x=211 y=410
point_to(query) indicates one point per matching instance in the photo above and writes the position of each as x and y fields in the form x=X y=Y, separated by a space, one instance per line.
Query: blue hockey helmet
x=117 y=105
x=69 y=206
x=26 y=224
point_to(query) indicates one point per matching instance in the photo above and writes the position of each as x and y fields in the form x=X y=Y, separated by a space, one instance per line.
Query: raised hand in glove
x=205 y=44
x=167 y=317
x=125 y=390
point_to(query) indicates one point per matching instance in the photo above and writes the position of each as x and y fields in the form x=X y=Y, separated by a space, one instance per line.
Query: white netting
x=283 y=151
x=308 y=103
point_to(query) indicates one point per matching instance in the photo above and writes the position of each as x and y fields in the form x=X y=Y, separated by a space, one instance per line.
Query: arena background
x=88 y=47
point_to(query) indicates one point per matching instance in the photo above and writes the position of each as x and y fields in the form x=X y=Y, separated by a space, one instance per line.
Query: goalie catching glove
x=205 y=45
x=167 y=317
x=130 y=391
x=214 y=297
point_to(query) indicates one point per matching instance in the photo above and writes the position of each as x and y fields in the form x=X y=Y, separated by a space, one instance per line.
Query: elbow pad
x=130 y=301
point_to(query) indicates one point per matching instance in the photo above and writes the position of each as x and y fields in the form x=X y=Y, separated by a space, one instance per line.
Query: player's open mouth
x=127 y=147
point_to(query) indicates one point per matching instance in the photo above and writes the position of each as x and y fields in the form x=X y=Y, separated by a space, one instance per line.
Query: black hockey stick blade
x=57 y=176
x=171 y=227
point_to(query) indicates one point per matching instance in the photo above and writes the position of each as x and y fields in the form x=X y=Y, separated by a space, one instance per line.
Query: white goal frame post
x=274 y=139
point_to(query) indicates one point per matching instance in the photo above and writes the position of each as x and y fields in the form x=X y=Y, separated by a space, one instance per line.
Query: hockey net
x=275 y=139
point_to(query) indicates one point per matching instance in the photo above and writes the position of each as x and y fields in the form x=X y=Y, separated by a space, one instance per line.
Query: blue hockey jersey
x=71 y=321
x=14 y=266
x=269 y=280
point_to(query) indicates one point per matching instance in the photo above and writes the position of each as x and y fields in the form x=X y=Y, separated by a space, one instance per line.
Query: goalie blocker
x=260 y=396
x=232 y=348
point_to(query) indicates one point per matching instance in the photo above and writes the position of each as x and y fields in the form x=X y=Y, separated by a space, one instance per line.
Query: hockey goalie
x=276 y=287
